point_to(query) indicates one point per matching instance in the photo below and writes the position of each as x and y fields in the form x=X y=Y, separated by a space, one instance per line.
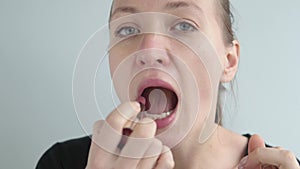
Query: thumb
x=255 y=142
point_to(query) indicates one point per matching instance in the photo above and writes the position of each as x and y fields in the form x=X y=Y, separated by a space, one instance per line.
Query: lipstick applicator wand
x=128 y=130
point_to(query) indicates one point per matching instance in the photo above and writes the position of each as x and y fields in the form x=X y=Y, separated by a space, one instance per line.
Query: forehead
x=136 y=6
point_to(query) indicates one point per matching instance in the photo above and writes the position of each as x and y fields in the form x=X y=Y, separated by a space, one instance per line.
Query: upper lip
x=154 y=82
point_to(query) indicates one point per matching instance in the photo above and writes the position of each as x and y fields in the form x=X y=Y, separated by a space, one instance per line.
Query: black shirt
x=72 y=154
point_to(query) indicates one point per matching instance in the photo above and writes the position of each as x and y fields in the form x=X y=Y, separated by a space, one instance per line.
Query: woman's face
x=169 y=56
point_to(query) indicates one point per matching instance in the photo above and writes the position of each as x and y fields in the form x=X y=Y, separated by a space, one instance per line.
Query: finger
x=121 y=115
x=137 y=144
x=165 y=160
x=95 y=160
x=255 y=142
x=278 y=147
x=99 y=157
x=282 y=159
x=107 y=134
x=152 y=154
x=105 y=137
x=111 y=128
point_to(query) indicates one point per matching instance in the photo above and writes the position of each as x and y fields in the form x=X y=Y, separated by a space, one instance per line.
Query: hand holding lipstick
x=139 y=150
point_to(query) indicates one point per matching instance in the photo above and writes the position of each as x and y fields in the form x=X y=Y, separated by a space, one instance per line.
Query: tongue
x=158 y=100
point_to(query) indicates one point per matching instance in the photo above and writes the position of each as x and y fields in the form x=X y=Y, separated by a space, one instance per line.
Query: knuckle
x=154 y=149
x=114 y=119
x=157 y=143
x=258 y=151
x=287 y=155
x=142 y=134
x=116 y=122
x=146 y=128
x=97 y=126
x=120 y=115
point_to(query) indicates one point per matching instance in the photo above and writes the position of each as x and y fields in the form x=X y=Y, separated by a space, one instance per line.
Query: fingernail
x=136 y=106
x=243 y=162
x=142 y=106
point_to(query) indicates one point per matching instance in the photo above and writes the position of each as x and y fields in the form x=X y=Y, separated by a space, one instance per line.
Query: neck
x=213 y=153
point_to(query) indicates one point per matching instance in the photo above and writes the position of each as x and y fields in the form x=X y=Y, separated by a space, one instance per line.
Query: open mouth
x=160 y=104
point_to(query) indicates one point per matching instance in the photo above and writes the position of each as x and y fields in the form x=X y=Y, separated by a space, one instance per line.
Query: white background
x=40 y=40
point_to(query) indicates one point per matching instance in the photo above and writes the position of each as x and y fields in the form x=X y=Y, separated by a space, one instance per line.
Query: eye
x=185 y=27
x=127 y=31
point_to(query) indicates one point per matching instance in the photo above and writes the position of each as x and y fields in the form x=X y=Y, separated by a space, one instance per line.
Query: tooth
x=157 y=116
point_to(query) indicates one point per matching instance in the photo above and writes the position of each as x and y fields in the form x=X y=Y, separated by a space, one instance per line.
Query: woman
x=173 y=57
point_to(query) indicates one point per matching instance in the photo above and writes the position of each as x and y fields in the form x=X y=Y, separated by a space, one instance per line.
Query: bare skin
x=224 y=149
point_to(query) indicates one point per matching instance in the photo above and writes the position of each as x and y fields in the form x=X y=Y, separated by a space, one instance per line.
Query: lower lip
x=162 y=123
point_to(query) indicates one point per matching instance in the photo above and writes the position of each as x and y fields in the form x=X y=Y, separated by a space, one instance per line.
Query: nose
x=153 y=51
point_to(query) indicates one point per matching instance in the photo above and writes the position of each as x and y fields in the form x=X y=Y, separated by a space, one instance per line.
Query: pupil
x=184 y=26
x=130 y=30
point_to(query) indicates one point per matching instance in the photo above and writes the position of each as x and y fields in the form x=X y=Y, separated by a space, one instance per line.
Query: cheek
x=216 y=37
x=192 y=64
x=122 y=50
x=204 y=68
x=201 y=75
x=121 y=61
x=114 y=61
x=117 y=55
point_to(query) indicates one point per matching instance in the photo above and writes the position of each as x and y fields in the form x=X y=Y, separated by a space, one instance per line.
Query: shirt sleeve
x=70 y=154
x=51 y=158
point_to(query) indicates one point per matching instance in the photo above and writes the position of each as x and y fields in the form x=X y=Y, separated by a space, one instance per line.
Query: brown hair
x=226 y=20
x=224 y=10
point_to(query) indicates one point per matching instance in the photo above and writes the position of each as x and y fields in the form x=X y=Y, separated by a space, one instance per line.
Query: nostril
x=159 y=61
x=152 y=59
x=142 y=62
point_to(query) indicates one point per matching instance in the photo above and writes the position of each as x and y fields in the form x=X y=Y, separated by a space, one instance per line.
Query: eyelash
x=119 y=34
x=191 y=28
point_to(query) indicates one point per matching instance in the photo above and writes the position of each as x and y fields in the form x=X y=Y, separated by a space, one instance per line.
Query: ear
x=231 y=62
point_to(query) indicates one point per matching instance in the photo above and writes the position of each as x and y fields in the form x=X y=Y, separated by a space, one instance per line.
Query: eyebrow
x=125 y=10
x=169 y=5
x=181 y=4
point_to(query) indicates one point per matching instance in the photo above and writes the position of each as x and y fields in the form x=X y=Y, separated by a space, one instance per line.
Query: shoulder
x=68 y=154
